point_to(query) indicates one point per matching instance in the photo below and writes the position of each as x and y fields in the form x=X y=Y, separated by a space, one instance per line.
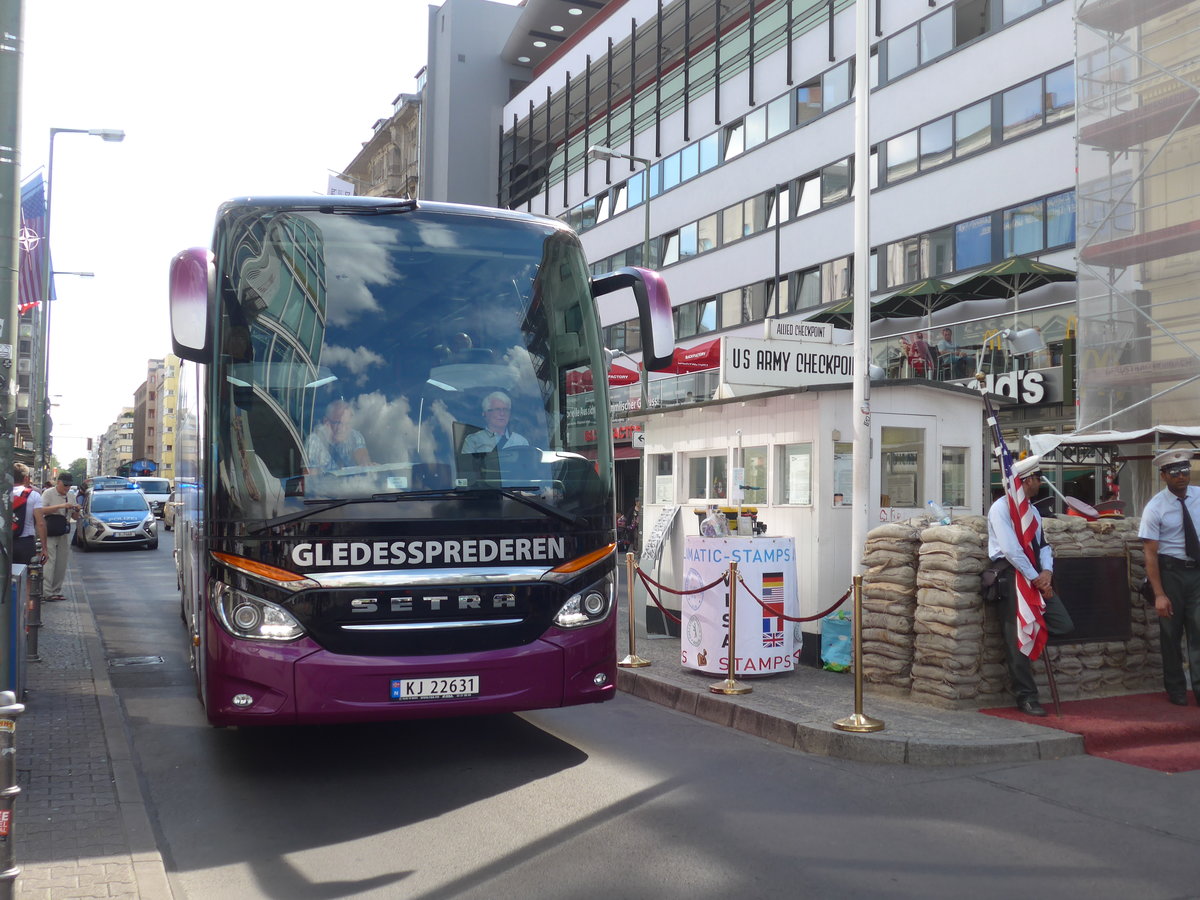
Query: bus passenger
x=495 y=434
x=335 y=444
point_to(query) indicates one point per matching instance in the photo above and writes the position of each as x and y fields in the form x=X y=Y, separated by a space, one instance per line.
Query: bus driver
x=495 y=434
x=335 y=444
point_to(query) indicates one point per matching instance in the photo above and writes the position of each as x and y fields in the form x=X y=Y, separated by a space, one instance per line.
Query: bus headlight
x=246 y=616
x=586 y=607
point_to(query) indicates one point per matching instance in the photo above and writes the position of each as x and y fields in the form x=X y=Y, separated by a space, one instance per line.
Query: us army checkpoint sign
x=766 y=643
x=751 y=361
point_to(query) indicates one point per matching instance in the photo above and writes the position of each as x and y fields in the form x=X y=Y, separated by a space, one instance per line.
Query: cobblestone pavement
x=81 y=827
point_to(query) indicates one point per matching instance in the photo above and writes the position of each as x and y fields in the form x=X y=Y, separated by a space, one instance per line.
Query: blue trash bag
x=837 y=646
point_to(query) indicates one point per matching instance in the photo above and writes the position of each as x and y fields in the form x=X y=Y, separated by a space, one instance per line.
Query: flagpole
x=861 y=514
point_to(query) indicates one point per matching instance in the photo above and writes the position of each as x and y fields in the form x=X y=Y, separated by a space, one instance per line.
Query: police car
x=117 y=515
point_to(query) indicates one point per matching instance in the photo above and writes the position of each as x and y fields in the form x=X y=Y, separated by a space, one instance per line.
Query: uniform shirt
x=1162 y=521
x=34 y=502
x=485 y=442
x=1003 y=542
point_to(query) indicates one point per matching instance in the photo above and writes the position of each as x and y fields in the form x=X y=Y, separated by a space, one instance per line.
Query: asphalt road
x=623 y=800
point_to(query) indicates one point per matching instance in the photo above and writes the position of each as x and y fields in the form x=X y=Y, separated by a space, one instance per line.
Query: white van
x=157 y=491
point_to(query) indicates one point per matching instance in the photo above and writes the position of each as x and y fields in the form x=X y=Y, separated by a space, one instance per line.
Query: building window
x=1022 y=109
x=902 y=156
x=937 y=35
x=937 y=143
x=808 y=101
x=793 y=474
x=954 y=476
x=902 y=53
x=1023 y=229
x=708 y=477
x=973 y=243
x=835 y=182
x=902 y=455
x=754 y=466
x=735 y=139
x=972 y=19
x=835 y=86
x=1014 y=9
x=662 y=480
x=973 y=128
x=1060 y=219
x=1060 y=94
x=937 y=253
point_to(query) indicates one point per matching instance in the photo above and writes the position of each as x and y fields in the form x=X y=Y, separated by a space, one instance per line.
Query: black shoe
x=1178 y=699
x=1031 y=707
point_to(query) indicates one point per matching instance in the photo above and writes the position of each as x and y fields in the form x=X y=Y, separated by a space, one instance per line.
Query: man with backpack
x=57 y=511
x=28 y=528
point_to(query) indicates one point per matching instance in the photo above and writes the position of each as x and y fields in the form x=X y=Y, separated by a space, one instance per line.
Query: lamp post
x=38 y=407
x=607 y=153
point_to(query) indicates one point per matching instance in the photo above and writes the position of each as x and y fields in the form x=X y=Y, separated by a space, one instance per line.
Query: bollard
x=632 y=661
x=34 y=624
x=858 y=722
x=729 y=685
x=9 y=710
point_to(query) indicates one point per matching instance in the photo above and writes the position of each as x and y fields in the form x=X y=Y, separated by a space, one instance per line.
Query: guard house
x=793 y=447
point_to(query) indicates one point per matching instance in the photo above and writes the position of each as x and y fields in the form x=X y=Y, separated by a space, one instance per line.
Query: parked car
x=157 y=491
x=114 y=516
x=168 y=515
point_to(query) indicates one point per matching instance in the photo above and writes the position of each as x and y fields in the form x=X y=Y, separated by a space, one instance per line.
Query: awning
x=695 y=359
x=581 y=381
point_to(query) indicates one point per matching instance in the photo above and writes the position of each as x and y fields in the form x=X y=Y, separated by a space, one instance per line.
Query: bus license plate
x=435 y=688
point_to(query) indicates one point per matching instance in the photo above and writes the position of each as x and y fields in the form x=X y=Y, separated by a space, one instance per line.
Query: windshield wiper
x=516 y=492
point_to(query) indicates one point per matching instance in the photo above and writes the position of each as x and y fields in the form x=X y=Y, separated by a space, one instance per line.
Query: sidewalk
x=798 y=709
x=81 y=827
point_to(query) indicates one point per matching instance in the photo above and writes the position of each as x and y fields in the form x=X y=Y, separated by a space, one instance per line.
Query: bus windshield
x=426 y=352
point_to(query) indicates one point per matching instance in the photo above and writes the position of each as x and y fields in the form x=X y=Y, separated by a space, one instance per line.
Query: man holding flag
x=1030 y=607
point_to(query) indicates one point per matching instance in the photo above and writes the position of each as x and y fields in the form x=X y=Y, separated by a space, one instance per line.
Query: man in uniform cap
x=1003 y=543
x=1168 y=533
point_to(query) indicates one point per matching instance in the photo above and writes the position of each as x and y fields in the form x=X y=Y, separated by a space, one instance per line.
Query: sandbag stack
x=949 y=618
x=889 y=602
x=926 y=631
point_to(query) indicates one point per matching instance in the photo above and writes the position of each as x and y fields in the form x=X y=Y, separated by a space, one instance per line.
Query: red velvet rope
x=650 y=593
x=778 y=615
x=650 y=583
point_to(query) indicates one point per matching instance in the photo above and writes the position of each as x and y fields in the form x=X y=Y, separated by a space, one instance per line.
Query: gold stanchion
x=632 y=661
x=858 y=722
x=729 y=685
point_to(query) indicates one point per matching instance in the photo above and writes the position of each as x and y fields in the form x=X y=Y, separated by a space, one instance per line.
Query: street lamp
x=38 y=398
x=599 y=152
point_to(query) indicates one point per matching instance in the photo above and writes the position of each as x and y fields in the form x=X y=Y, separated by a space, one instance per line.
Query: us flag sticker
x=772 y=597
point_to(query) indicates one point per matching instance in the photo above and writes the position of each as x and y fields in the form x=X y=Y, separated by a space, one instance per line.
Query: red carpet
x=1139 y=729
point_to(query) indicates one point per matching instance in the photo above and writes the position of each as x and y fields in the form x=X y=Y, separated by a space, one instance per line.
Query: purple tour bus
x=388 y=506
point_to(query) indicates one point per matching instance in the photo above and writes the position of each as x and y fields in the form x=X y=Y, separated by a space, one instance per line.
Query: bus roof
x=327 y=202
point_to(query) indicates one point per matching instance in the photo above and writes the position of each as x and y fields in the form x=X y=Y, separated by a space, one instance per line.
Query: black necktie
x=1191 y=543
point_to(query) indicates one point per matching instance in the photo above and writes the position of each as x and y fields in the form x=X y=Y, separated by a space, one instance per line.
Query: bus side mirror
x=190 y=290
x=654 y=311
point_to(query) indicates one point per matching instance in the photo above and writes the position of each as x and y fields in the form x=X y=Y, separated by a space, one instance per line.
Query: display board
x=1095 y=590
x=766 y=643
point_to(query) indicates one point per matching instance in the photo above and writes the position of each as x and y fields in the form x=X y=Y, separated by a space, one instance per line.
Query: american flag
x=33 y=244
x=772 y=600
x=1031 y=627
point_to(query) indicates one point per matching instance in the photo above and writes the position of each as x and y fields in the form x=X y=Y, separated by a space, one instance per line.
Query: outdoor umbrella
x=1009 y=279
x=921 y=299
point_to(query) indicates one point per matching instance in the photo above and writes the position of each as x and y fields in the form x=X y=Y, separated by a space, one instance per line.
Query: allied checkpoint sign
x=785 y=363
x=766 y=642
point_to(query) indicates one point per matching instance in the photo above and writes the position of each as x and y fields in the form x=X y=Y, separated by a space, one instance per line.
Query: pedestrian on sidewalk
x=57 y=510
x=1172 y=549
x=27 y=526
x=1003 y=543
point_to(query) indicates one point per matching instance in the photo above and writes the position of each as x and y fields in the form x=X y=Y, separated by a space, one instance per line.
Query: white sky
x=217 y=99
